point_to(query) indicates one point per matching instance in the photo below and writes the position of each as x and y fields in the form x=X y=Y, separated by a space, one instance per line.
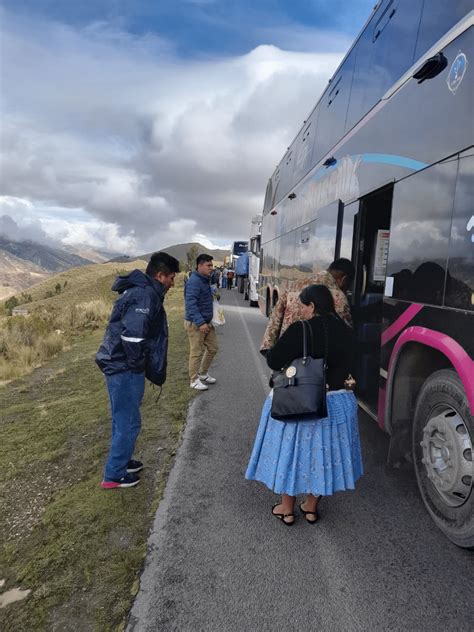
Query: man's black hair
x=162 y=262
x=345 y=266
x=203 y=259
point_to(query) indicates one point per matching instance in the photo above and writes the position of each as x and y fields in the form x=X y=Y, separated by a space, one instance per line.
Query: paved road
x=218 y=561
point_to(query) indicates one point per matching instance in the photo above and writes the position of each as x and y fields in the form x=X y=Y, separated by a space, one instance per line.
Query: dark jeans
x=125 y=393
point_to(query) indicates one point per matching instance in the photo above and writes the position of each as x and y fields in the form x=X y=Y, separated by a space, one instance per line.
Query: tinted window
x=384 y=52
x=347 y=232
x=303 y=148
x=286 y=174
x=460 y=279
x=438 y=17
x=267 y=205
x=287 y=256
x=333 y=110
x=420 y=231
x=325 y=242
x=305 y=246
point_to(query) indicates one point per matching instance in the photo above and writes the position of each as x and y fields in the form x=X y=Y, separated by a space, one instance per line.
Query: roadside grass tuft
x=79 y=548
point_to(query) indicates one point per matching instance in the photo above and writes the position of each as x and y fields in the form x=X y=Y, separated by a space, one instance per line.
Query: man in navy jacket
x=135 y=346
x=201 y=333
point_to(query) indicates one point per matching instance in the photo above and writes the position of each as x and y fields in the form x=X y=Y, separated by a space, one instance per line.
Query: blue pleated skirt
x=309 y=457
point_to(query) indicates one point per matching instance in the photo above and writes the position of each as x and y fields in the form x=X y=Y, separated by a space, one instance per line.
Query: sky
x=132 y=125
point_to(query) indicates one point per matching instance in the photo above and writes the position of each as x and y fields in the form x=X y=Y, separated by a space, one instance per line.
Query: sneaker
x=129 y=480
x=207 y=379
x=197 y=385
x=134 y=466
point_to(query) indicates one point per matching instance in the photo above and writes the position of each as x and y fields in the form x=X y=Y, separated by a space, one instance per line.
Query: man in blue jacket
x=201 y=333
x=135 y=347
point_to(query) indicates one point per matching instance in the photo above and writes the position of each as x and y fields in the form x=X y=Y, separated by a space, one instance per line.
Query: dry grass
x=56 y=318
x=77 y=548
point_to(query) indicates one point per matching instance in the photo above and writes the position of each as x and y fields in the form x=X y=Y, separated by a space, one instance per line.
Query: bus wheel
x=443 y=432
x=268 y=306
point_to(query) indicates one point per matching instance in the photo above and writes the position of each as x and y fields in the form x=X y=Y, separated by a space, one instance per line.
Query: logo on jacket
x=143 y=310
x=457 y=72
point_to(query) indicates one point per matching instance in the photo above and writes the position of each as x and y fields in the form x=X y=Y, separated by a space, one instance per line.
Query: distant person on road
x=203 y=344
x=135 y=347
x=224 y=277
x=230 y=279
x=337 y=278
x=320 y=457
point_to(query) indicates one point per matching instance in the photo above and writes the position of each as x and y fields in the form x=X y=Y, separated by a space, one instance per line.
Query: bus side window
x=459 y=291
x=438 y=17
x=385 y=51
x=420 y=230
x=347 y=231
x=333 y=110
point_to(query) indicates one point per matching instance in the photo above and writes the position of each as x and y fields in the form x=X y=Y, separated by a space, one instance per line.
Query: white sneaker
x=197 y=385
x=207 y=379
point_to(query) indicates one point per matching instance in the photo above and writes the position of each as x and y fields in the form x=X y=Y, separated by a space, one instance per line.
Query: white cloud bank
x=111 y=140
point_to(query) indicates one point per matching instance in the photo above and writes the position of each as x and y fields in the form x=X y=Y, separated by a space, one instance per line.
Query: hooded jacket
x=136 y=338
x=198 y=299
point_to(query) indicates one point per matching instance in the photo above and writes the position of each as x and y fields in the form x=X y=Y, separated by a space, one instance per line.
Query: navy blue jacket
x=198 y=299
x=136 y=338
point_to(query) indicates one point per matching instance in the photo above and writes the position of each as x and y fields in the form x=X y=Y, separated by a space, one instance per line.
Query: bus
x=238 y=248
x=382 y=173
x=251 y=285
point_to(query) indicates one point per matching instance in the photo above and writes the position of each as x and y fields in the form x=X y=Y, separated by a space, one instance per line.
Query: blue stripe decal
x=384 y=159
x=399 y=161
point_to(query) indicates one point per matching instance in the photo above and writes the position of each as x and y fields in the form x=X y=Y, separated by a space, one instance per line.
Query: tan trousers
x=202 y=349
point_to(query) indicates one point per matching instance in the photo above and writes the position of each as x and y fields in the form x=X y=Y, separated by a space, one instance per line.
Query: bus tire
x=443 y=437
x=268 y=306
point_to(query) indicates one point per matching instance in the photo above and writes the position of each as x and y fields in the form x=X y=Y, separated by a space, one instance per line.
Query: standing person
x=224 y=277
x=230 y=279
x=314 y=457
x=201 y=333
x=337 y=278
x=135 y=347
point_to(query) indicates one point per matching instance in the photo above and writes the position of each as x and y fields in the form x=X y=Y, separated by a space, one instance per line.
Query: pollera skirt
x=309 y=457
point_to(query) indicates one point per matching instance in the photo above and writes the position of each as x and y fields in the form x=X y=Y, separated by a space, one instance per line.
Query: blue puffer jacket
x=136 y=338
x=198 y=299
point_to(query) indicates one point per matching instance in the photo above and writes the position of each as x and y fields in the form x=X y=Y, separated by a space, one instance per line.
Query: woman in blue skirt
x=319 y=457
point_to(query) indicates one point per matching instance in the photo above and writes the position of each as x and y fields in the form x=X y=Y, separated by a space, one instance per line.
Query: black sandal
x=282 y=517
x=313 y=513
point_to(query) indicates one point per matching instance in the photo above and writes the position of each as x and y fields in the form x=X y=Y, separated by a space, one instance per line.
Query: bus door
x=370 y=253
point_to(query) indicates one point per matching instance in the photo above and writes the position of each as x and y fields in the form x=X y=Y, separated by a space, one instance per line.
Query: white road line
x=255 y=354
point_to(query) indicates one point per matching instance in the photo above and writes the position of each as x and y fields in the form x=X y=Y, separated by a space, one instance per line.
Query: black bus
x=381 y=172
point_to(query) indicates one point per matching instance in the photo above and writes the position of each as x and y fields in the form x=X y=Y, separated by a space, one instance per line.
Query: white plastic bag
x=218 y=318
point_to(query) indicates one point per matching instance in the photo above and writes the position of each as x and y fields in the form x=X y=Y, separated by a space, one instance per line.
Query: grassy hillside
x=77 y=548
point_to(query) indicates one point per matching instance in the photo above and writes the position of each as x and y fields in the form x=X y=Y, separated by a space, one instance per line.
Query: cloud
x=149 y=148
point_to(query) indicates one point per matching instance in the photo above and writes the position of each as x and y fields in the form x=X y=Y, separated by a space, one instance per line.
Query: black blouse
x=340 y=348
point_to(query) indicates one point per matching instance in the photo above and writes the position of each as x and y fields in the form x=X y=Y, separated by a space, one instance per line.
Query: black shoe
x=134 y=466
x=129 y=480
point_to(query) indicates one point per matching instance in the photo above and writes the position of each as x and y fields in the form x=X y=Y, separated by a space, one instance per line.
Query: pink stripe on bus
x=400 y=323
x=460 y=360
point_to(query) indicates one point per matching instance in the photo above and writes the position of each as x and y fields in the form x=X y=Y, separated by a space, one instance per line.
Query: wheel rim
x=447 y=455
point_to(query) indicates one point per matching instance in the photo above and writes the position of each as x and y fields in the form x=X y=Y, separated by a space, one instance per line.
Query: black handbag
x=299 y=390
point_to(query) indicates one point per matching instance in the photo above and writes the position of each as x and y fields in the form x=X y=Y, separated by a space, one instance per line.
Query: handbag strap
x=307 y=326
x=305 y=340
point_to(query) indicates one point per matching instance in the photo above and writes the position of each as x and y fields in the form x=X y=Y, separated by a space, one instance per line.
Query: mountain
x=50 y=259
x=25 y=263
x=179 y=252
x=92 y=254
x=18 y=274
